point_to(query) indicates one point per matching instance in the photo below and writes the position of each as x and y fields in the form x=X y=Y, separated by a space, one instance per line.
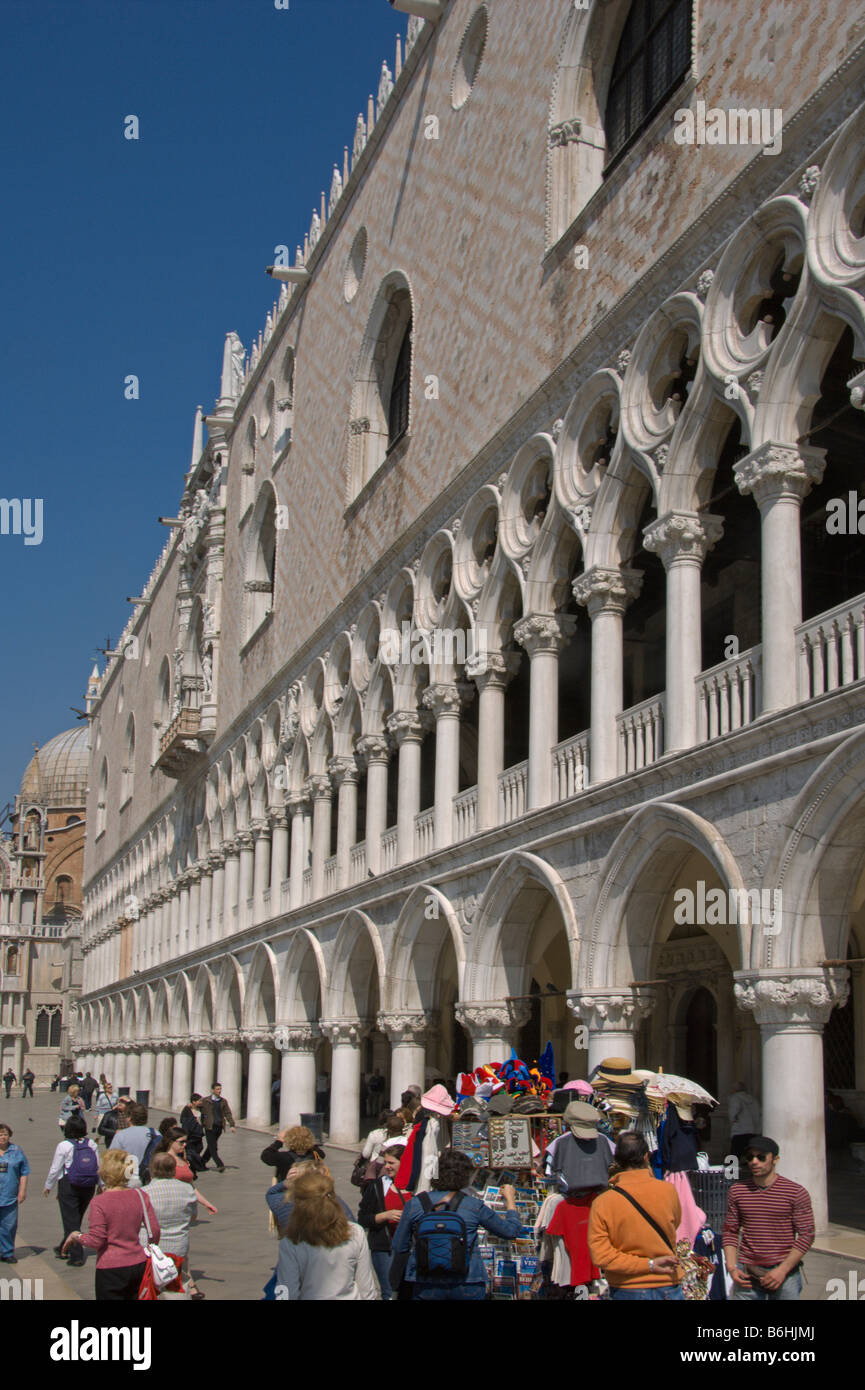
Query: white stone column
x=18 y=1055
x=132 y=1069
x=259 y=1080
x=408 y=1034
x=201 y=923
x=204 y=1073
x=606 y=593
x=261 y=868
x=297 y=1042
x=792 y=1006
x=247 y=878
x=229 y=1067
x=374 y=748
x=278 y=857
x=298 y=807
x=407 y=728
x=612 y=1017
x=192 y=929
x=119 y=1077
x=146 y=1064
x=231 y=915
x=683 y=539
x=543 y=636
x=779 y=476
x=345 y=774
x=320 y=791
x=445 y=701
x=491 y=672
x=493 y=1027
x=346 y=1035
x=216 y=859
x=181 y=1076
x=162 y=1084
x=184 y=884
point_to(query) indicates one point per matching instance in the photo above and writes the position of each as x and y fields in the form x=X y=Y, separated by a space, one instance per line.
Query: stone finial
x=412 y=34
x=385 y=87
x=335 y=191
x=314 y=230
x=359 y=140
x=397 y=66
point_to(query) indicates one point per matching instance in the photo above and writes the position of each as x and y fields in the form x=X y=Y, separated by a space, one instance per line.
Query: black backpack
x=144 y=1165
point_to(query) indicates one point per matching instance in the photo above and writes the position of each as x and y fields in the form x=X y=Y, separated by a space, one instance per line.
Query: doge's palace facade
x=502 y=676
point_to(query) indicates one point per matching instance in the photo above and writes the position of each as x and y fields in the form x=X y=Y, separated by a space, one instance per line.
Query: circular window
x=469 y=60
x=354 y=266
x=266 y=414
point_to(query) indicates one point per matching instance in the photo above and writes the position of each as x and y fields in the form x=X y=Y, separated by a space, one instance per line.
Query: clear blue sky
x=124 y=257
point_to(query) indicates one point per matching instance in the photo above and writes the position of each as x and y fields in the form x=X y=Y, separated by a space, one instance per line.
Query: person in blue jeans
x=14 y=1169
x=455 y=1173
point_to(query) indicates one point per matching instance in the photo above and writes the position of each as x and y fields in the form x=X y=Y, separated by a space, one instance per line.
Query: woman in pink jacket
x=115 y=1219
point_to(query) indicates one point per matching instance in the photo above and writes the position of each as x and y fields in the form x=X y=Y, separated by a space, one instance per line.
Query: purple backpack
x=83 y=1171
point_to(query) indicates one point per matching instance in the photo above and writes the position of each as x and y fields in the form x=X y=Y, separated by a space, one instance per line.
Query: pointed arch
x=357 y=962
x=426 y=922
x=262 y=988
x=497 y=951
x=303 y=984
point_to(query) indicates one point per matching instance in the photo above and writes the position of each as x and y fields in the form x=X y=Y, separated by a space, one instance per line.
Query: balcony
x=331 y=874
x=424 y=833
x=183 y=745
x=832 y=649
x=512 y=792
x=358 y=862
x=729 y=695
x=388 y=850
x=641 y=734
x=570 y=767
x=465 y=814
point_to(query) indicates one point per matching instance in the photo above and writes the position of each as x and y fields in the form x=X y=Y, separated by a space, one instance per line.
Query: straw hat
x=615 y=1071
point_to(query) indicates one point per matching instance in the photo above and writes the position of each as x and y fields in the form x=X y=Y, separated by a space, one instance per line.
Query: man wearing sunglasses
x=769 y=1228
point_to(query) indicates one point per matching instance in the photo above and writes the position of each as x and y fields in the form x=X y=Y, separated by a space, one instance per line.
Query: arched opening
x=731 y=573
x=645 y=620
x=261 y=563
x=381 y=398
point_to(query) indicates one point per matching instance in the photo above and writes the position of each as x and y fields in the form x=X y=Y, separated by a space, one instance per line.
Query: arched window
x=381 y=397
x=62 y=889
x=284 y=405
x=261 y=562
x=397 y=415
x=102 y=799
x=12 y=960
x=161 y=708
x=127 y=777
x=49 y=1023
x=653 y=56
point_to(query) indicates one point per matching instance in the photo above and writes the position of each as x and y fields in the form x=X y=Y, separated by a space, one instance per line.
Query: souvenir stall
x=555 y=1147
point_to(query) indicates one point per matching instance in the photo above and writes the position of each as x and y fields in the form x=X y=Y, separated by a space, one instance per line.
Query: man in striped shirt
x=769 y=1228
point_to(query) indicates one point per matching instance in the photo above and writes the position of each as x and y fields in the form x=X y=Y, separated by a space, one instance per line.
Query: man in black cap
x=769 y=1228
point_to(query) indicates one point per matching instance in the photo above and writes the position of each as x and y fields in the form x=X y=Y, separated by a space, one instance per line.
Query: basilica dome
x=57 y=773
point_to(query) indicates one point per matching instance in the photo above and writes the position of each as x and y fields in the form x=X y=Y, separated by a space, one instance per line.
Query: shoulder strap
x=145 y=1216
x=645 y=1215
x=425 y=1201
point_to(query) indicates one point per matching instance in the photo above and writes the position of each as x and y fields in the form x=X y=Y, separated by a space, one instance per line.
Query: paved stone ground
x=232 y=1253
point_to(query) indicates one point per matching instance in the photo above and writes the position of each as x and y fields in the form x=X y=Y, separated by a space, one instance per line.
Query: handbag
x=162 y=1266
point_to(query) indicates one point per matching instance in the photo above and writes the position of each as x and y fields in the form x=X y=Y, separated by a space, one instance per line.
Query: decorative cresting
x=797 y=1000
x=296 y=1037
x=401 y=1028
x=345 y=1032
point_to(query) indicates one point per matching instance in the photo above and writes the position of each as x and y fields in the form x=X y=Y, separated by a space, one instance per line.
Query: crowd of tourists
x=421 y=1224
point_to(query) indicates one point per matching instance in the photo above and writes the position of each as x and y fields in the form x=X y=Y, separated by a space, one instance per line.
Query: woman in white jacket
x=73 y=1201
x=322 y=1256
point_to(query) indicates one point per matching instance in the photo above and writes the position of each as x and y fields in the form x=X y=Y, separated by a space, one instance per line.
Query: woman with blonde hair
x=323 y=1257
x=72 y=1104
x=115 y=1218
x=290 y=1146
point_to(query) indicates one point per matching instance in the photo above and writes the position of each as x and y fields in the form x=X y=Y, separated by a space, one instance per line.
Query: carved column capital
x=799 y=999
x=296 y=1037
x=245 y=840
x=604 y=589
x=492 y=668
x=545 y=632
x=231 y=848
x=612 y=1010
x=498 y=1018
x=402 y=1028
x=297 y=802
x=447 y=698
x=226 y=1040
x=257 y=1038
x=318 y=787
x=775 y=471
x=345 y=1032
x=260 y=826
x=216 y=859
x=373 y=748
x=407 y=726
x=683 y=536
x=343 y=770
